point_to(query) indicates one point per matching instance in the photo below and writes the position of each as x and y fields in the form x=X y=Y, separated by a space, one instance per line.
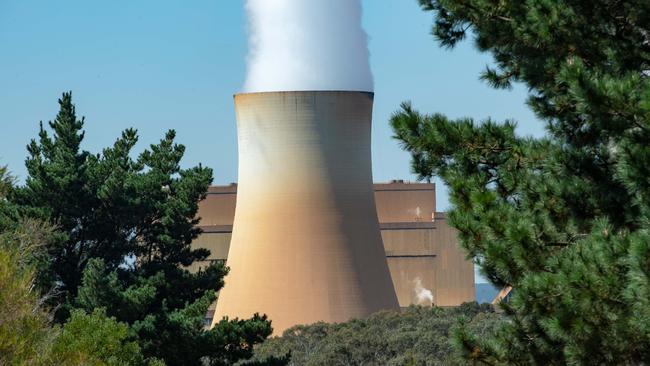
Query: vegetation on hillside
x=416 y=336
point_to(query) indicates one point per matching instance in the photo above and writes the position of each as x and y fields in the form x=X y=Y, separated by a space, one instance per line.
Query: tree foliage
x=6 y=182
x=8 y=215
x=27 y=336
x=416 y=336
x=126 y=223
x=563 y=219
x=111 y=206
x=95 y=339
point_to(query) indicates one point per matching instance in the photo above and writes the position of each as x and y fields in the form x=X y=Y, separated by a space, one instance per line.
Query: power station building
x=426 y=264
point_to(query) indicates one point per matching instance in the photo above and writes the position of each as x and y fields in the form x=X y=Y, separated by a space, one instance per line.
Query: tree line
x=418 y=335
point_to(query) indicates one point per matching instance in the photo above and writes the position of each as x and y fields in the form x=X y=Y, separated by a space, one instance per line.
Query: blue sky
x=156 y=65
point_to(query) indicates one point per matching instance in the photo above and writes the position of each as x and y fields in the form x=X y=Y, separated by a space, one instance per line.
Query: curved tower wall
x=306 y=244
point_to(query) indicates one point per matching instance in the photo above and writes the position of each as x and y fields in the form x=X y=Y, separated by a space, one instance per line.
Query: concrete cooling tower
x=306 y=244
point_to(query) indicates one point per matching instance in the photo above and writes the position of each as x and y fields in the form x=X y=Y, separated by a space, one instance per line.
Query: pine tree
x=127 y=225
x=562 y=219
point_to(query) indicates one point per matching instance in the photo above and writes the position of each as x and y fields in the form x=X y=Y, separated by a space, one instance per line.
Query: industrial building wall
x=454 y=272
x=218 y=208
x=217 y=241
x=405 y=202
x=411 y=256
x=422 y=252
x=412 y=278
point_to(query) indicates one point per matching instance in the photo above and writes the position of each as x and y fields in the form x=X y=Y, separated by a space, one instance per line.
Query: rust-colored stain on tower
x=306 y=244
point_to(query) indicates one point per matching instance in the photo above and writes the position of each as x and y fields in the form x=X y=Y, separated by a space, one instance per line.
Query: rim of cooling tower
x=325 y=91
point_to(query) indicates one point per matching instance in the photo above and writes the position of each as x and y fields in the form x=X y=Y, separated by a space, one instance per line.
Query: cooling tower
x=306 y=244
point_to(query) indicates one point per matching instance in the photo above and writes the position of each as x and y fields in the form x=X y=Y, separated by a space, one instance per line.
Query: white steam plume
x=307 y=45
x=423 y=295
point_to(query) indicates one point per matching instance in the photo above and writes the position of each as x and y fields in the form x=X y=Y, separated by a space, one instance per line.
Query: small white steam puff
x=297 y=45
x=423 y=296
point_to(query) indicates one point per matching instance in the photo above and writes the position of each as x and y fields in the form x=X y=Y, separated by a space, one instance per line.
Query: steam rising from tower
x=307 y=45
x=306 y=245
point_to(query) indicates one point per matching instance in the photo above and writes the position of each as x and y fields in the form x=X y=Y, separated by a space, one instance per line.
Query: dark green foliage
x=126 y=226
x=8 y=214
x=416 y=336
x=110 y=205
x=562 y=219
x=238 y=337
x=6 y=182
